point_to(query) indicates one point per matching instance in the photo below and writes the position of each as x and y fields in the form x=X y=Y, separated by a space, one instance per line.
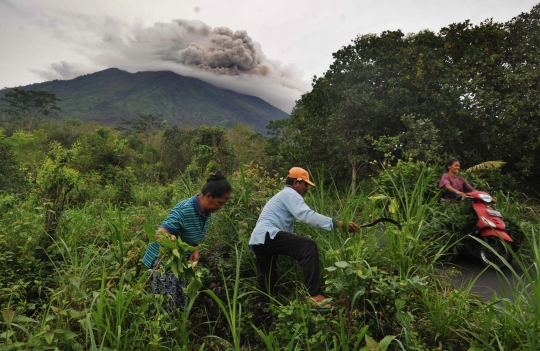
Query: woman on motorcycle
x=455 y=186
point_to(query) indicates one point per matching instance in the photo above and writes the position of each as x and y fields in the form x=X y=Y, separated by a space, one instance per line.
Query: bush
x=403 y=178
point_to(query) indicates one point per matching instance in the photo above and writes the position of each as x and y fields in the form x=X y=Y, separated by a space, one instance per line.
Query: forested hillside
x=109 y=95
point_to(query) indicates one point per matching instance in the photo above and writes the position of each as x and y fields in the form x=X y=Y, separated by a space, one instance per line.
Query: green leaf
x=168 y=243
x=193 y=287
x=174 y=269
x=68 y=334
x=485 y=165
x=331 y=268
x=341 y=264
x=7 y=334
x=8 y=316
x=180 y=266
x=49 y=317
x=371 y=343
x=386 y=342
x=23 y=319
x=150 y=233
x=49 y=337
x=378 y=197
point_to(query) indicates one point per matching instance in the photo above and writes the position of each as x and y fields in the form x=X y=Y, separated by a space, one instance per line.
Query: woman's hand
x=194 y=257
x=161 y=230
x=462 y=195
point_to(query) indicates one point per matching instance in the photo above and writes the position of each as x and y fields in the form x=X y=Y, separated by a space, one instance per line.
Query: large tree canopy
x=26 y=107
x=470 y=91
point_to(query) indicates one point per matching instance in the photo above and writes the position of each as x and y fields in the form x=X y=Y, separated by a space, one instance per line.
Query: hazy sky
x=267 y=49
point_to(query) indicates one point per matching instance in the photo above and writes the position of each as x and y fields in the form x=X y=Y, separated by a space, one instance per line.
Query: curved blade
x=382 y=219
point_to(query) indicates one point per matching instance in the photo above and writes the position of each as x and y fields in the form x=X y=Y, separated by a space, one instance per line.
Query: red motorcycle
x=490 y=228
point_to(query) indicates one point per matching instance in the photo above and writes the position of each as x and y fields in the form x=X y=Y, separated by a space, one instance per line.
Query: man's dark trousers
x=301 y=249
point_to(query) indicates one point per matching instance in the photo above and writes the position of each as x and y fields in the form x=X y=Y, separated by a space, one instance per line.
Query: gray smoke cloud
x=220 y=56
x=195 y=44
x=229 y=53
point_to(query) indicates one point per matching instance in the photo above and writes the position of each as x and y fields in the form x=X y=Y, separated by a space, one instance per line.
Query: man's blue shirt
x=279 y=213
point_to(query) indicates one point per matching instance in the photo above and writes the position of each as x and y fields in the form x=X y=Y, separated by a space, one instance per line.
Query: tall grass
x=110 y=310
x=517 y=325
x=411 y=247
x=231 y=307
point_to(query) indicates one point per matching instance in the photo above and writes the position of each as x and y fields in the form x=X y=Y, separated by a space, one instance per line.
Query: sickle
x=382 y=219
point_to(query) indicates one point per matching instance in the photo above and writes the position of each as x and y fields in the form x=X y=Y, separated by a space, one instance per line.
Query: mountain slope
x=112 y=94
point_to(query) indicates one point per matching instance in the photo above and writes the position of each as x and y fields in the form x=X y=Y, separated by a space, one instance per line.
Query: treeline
x=468 y=91
x=62 y=163
x=142 y=149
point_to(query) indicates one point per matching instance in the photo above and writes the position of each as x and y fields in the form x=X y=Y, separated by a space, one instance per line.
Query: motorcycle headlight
x=486 y=198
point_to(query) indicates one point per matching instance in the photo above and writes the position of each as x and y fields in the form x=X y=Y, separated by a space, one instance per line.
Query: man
x=273 y=235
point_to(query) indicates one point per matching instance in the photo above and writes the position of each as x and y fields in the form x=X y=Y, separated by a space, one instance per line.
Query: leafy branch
x=173 y=254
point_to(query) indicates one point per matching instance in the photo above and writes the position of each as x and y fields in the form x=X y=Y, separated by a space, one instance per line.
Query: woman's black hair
x=451 y=161
x=217 y=185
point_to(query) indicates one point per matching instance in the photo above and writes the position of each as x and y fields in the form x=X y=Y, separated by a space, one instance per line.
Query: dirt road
x=488 y=282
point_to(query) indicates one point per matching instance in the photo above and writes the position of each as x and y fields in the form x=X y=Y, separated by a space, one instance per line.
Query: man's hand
x=352 y=227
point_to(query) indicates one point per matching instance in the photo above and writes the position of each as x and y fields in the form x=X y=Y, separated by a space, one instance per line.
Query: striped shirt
x=279 y=213
x=185 y=221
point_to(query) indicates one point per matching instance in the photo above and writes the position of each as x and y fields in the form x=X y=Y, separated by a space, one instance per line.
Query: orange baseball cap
x=300 y=174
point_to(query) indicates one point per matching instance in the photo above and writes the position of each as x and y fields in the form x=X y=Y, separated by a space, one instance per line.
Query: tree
x=177 y=153
x=28 y=107
x=210 y=151
x=360 y=101
x=55 y=180
x=421 y=141
x=501 y=63
x=10 y=177
x=246 y=145
x=30 y=148
x=146 y=125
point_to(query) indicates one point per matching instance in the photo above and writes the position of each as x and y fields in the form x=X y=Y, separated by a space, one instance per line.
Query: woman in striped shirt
x=189 y=220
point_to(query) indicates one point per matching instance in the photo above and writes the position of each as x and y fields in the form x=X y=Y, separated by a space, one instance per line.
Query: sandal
x=326 y=305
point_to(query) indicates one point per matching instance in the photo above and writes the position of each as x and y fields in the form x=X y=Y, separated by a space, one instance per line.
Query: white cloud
x=62 y=70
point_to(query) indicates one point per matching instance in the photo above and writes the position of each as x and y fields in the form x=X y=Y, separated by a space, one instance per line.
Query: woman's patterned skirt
x=168 y=285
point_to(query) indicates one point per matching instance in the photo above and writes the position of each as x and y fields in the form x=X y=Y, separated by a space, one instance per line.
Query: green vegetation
x=110 y=95
x=79 y=203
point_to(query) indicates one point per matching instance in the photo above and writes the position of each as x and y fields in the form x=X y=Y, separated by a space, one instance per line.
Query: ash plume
x=195 y=44
x=228 y=53
x=187 y=47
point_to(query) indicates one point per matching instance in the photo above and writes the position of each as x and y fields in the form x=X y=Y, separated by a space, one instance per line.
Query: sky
x=270 y=49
